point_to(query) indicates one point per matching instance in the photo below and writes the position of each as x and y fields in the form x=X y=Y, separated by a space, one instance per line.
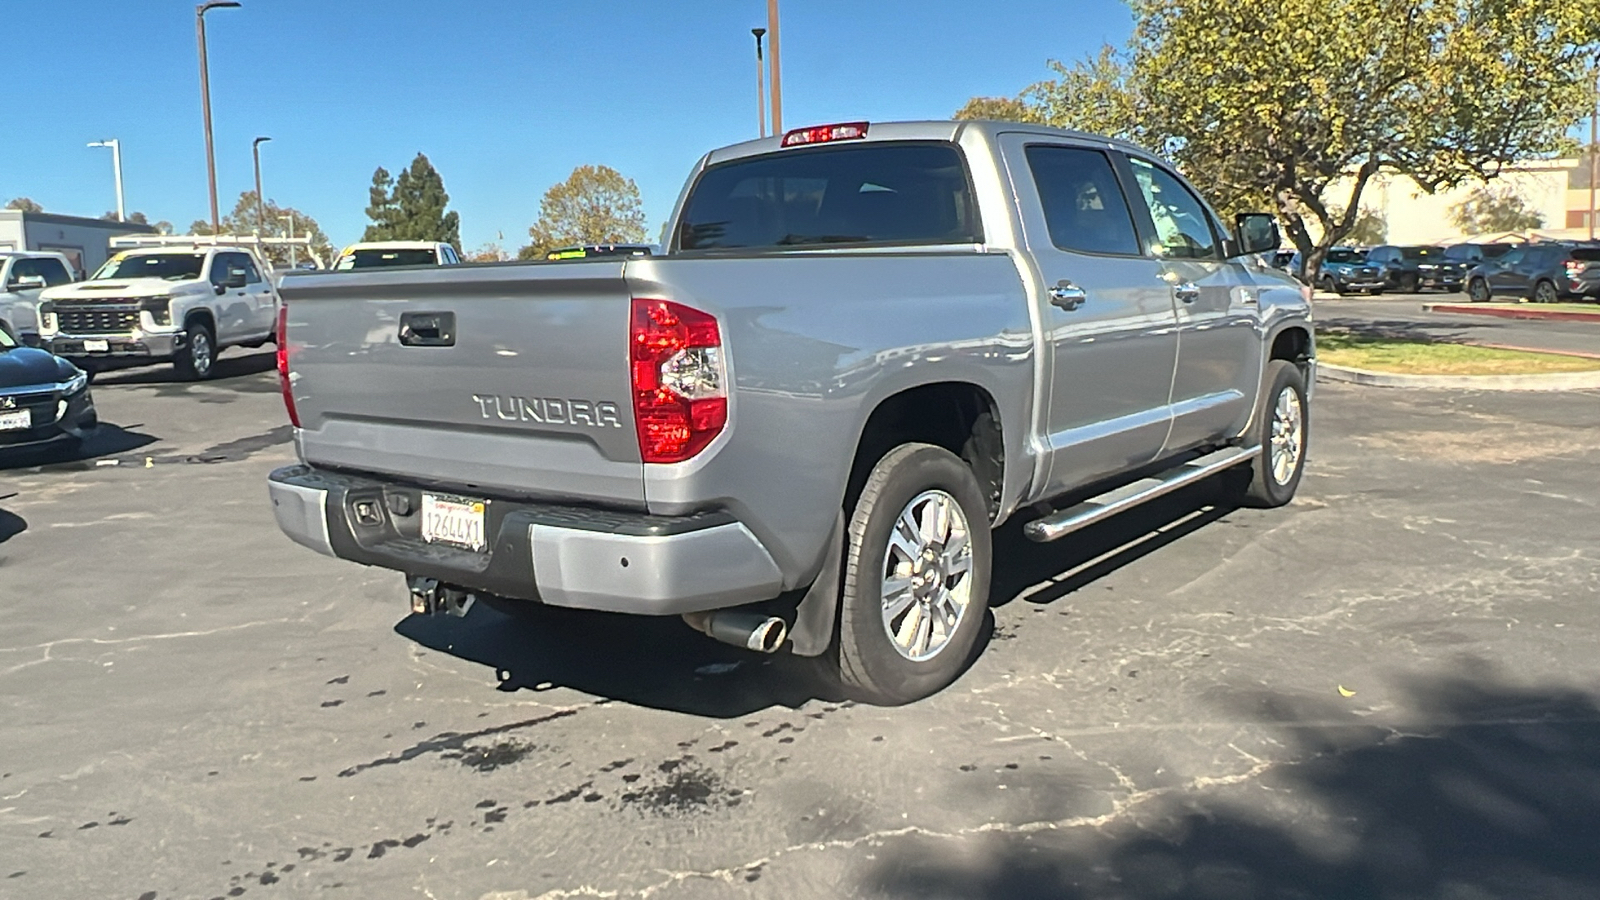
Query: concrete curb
x=1500 y=312
x=1560 y=381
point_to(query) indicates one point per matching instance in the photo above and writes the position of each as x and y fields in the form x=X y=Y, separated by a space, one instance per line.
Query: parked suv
x=22 y=276
x=1346 y=270
x=1410 y=269
x=1544 y=272
x=180 y=303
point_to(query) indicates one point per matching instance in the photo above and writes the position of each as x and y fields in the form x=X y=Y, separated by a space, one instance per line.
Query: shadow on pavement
x=1486 y=789
x=663 y=664
x=11 y=525
x=107 y=440
x=235 y=364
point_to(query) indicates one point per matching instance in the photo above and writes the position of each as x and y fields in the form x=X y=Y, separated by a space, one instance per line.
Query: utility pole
x=777 y=70
x=261 y=202
x=205 y=100
x=116 y=169
x=761 y=83
x=1594 y=151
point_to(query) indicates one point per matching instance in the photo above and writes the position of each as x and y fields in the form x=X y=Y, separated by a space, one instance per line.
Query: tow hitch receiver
x=429 y=597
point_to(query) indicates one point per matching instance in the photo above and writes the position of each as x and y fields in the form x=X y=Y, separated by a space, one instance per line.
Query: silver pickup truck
x=863 y=347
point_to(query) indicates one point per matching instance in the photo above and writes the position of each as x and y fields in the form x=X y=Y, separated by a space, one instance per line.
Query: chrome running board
x=1103 y=506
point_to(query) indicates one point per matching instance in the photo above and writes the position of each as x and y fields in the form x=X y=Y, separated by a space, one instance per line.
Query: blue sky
x=505 y=97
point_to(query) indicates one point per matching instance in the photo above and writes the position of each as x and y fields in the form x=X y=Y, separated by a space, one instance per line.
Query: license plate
x=457 y=521
x=21 y=420
x=96 y=346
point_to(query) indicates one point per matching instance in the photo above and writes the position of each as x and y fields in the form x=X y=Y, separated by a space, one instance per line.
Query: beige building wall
x=1556 y=188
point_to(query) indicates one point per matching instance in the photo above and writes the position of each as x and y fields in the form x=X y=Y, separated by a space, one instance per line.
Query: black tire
x=1256 y=484
x=1375 y=291
x=197 y=361
x=1545 y=292
x=1478 y=291
x=871 y=664
x=1408 y=283
x=1327 y=285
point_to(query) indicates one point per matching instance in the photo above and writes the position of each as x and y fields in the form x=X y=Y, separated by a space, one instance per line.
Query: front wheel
x=1408 y=283
x=1478 y=291
x=1281 y=429
x=916 y=582
x=198 y=357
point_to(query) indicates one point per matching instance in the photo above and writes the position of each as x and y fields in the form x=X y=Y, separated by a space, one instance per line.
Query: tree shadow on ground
x=660 y=662
x=1484 y=789
x=11 y=525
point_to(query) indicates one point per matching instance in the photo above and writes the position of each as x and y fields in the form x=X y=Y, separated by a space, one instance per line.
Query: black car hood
x=25 y=366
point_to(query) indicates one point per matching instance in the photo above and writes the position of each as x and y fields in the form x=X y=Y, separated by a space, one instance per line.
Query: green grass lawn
x=1416 y=357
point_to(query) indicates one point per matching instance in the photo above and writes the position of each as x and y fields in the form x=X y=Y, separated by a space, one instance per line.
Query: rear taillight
x=282 y=340
x=680 y=392
x=1575 y=267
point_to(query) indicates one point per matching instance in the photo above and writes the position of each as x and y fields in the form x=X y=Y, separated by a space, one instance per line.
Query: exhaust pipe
x=750 y=630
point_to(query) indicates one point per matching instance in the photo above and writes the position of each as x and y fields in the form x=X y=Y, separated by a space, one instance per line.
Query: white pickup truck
x=180 y=303
x=863 y=347
x=23 y=275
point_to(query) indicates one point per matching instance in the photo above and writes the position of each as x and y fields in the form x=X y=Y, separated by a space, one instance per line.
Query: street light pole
x=777 y=71
x=261 y=202
x=761 y=83
x=290 y=219
x=205 y=101
x=116 y=170
x=1594 y=151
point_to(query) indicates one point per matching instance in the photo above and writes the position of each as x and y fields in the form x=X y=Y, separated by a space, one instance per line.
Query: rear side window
x=1586 y=254
x=886 y=193
x=1083 y=205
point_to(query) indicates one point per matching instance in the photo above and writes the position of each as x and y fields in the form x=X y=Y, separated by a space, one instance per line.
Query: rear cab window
x=378 y=258
x=884 y=194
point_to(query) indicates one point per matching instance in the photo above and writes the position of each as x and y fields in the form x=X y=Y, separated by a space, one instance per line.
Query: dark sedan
x=44 y=399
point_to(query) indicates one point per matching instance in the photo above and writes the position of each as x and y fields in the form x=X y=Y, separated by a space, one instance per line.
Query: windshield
x=1346 y=255
x=378 y=258
x=1421 y=252
x=166 y=266
x=904 y=193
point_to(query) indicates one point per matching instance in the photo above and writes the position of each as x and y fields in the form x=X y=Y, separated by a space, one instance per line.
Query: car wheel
x=1375 y=291
x=1545 y=292
x=198 y=358
x=1478 y=291
x=1282 y=429
x=916 y=582
x=1326 y=284
x=1408 y=283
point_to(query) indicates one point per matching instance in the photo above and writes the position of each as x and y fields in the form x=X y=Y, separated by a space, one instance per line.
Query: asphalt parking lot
x=1388 y=689
x=1404 y=315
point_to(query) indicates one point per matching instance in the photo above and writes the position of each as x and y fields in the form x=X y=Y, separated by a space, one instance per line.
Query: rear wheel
x=1281 y=429
x=1478 y=291
x=916 y=579
x=198 y=358
x=1545 y=292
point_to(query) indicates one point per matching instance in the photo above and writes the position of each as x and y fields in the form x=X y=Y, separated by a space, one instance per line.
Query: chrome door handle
x=1067 y=295
x=1187 y=292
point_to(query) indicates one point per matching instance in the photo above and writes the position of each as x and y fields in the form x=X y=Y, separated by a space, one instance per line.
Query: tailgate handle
x=428 y=329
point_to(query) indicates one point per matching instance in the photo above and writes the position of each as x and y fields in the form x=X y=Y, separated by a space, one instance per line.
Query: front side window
x=883 y=193
x=1183 y=230
x=1084 y=207
x=166 y=266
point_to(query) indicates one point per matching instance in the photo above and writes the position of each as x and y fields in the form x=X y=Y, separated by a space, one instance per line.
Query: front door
x=1219 y=347
x=1107 y=315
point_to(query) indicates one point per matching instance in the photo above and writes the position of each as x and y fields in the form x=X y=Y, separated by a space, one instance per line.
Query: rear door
x=488 y=381
x=1108 y=317
x=1219 y=349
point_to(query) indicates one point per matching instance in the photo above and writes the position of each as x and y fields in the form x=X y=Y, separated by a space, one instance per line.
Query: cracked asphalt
x=1388 y=689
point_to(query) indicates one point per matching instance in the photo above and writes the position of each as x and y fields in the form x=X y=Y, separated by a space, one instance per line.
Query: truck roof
x=927 y=130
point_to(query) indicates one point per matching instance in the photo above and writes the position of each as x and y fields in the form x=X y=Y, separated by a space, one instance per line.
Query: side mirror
x=235 y=278
x=1256 y=233
x=220 y=288
x=26 y=283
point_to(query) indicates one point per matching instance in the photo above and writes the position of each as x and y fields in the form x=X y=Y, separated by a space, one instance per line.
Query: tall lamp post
x=205 y=101
x=1594 y=151
x=261 y=201
x=777 y=72
x=116 y=169
x=761 y=83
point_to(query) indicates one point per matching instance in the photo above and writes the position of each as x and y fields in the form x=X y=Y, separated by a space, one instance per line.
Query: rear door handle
x=1186 y=292
x=1067 y=295
x=428 y=329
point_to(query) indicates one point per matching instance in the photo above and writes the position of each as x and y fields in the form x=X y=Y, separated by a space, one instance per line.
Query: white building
x=84 y=241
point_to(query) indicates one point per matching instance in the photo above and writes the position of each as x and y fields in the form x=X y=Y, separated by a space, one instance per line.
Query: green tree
x=1369 y=230
x=246 y=218
x=411 y=207
x=1489 y=210
x=1003 y=109
x=25 y=204
x=595 y=205
x=1298 y=109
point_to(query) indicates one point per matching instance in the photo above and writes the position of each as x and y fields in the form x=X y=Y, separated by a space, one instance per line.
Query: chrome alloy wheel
x=1288 y=435
x=200 y=352
x=927 y=579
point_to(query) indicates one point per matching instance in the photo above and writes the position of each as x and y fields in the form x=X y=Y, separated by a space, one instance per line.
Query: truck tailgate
x=500 y=379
